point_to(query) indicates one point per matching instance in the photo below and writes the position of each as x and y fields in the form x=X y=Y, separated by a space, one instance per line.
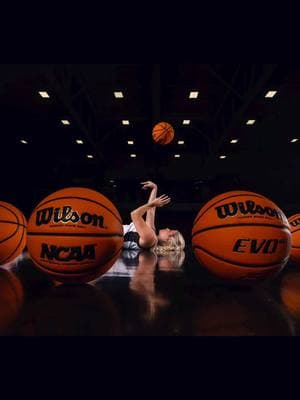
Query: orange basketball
x=163 y=133
x=295 y=229
x=13 y=227
x=75 y=235
x=243 y=236
x=11 y=298
x=290 y=293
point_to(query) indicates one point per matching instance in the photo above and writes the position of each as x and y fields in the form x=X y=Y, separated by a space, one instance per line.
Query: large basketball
x=75 y=235
x=242 y=236
x=163 y=133
x=13 y=229
x=295 y=230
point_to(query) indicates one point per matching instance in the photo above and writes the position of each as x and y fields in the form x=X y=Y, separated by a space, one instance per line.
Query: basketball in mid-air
x=163 y=133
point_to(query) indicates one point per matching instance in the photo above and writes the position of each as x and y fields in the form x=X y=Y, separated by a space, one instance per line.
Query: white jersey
x=131 y=237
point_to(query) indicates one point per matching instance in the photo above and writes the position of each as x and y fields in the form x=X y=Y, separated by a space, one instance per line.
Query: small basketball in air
x=75 y=235
x=163 y=133
x=13 y=231
x=242 y=236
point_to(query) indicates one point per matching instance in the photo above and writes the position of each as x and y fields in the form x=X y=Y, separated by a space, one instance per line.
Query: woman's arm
x=147 y=235
x=150 y=218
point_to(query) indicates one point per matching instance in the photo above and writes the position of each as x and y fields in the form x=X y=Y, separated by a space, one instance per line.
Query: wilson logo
x=248 y=208
x=67 y=215
x=254 y=246
x=295 y=222
x=66 y=254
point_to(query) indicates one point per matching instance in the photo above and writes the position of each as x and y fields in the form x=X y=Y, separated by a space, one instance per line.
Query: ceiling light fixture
x=251 y=122
x=65 y=122
x=271 y=94
x=194 y=95
x=44 y=95
x=119 y=95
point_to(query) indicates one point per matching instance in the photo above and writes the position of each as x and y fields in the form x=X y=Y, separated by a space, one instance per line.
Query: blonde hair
x=171 y=261
x=175 y=243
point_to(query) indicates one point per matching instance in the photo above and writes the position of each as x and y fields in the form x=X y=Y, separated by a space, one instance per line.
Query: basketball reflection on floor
x=11 y=299
x=290 y=293
x=143 y=294
x=164 y=301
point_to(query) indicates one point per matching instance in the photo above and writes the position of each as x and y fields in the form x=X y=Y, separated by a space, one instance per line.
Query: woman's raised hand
x=149 y=185
x=160 y=201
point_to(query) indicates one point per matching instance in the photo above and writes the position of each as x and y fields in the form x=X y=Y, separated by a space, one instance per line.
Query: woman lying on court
x=142 y=234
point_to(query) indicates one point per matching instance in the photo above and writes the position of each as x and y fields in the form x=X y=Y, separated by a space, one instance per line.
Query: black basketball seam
x=5 y=240
x=239 y=264
x=12 y=223
x=12 y=211
x=157 y=139
x=83 y=235
x=238 y=225
x=295 y=247
x=78 y=198
x=74 y=273
x=295 y=230
x=156 y=130
x=229 y=197
x=7 y=258
x=20 y=242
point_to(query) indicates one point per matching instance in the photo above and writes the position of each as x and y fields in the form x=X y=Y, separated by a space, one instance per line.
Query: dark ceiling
x=263 y=160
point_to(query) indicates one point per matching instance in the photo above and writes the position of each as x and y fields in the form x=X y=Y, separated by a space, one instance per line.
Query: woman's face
x=166 y=234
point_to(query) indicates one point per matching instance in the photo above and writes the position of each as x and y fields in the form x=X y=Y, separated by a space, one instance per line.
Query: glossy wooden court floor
x=146 y=295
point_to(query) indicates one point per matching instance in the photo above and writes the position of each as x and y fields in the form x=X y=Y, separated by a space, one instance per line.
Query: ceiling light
x=65 y=122
x=181 y=142
x=130 y=142
x=125 y=122
x=234 y=141
x=186 y=122
x=133 y=155
x=79 y=141
x=44 y=95
x=251 y=122
x=271 y=94
x=23 y=141
x=90 y=156
x=294 y=140
x=119 y=95
x=194 y=95
x=177 y=156
x=222 y=157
